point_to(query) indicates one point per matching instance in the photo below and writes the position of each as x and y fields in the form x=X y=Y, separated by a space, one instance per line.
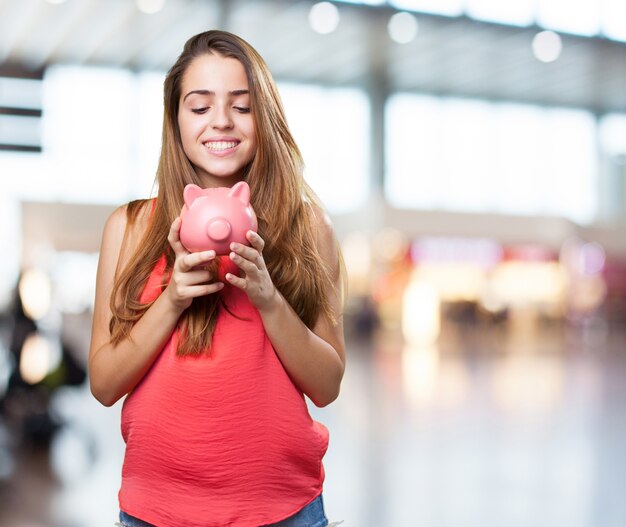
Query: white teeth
x=220 y=145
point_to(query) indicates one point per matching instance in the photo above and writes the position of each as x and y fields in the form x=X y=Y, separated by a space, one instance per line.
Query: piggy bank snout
x=218 y=229
x=214 y=217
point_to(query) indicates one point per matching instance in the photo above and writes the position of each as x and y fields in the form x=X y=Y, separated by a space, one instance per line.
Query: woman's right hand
x=188 y=280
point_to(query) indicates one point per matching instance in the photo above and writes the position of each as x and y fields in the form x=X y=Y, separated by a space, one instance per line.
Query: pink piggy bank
x=212 y=218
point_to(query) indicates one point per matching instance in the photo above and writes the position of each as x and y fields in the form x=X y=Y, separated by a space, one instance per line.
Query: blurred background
x=472 y=156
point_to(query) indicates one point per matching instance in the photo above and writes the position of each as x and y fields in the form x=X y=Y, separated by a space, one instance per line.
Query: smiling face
x=216 y=126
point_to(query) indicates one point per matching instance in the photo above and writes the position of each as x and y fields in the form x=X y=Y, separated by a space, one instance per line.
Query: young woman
x=215 y=353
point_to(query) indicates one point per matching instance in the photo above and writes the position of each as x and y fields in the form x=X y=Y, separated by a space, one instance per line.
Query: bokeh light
x=324 y=17
x=402 y=27
x=547 y=46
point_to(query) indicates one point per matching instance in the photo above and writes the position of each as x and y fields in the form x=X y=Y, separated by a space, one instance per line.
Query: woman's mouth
x=220 y=146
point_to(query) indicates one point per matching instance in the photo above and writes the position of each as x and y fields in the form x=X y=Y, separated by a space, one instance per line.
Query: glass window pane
x=581 y=17
x=20 y=93
x=569 y=152
x=147 y=140
x=475 y=156
x=438 y=7
x=614 y=19
x=331 y=128
x=414 y=145
x=88 y=133
x=20 y=130
x=613 y=134
x=515 y=12
x=101 y=133
x=517 y=171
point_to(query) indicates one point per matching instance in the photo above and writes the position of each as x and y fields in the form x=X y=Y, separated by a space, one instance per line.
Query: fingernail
x=233 y=256
x=233 y=246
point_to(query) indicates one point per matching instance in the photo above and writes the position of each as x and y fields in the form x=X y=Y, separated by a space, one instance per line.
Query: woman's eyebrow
x=210 y=92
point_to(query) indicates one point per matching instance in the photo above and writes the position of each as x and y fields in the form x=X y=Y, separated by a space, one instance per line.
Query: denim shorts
x=311 y=516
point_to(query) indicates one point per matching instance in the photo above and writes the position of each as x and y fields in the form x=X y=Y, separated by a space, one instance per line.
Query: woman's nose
x=220 y=117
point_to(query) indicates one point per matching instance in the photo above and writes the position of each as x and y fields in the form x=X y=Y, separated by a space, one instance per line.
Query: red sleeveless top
x=223 y=439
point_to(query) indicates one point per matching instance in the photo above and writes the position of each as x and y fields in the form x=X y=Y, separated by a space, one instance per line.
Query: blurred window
x=331 y=128
x=475 y=156
x=101 y=133
x=20 y=93
x=614 y=19
x=581 y=17
x=613 y=134
x=19 y=130
x=438 y=7
x=88 y=127
x=149 y=126
x=514 y=12
x=20 y=114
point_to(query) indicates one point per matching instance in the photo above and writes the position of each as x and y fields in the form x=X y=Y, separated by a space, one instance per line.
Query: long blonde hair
x=283 y=202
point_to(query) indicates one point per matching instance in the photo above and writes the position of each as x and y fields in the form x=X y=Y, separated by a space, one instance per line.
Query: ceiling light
x=402 y=27
x=547 y=46
x=56 y=2
x=150 y=6
x=324 y=17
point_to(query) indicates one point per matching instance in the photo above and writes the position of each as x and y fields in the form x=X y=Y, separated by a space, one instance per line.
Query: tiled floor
x=524 y=426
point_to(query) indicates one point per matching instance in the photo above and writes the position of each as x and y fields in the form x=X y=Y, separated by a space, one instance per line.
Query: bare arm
x=314 y=359
x=116 y=370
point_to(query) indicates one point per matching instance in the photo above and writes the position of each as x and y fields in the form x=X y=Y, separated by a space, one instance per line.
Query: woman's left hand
x=256 y=280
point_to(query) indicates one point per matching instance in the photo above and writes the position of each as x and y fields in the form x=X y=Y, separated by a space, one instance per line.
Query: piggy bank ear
x=191 y=193
x=241 y=191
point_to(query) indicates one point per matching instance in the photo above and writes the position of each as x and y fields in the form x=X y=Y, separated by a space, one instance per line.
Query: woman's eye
x=200 y=110
x=242 y=109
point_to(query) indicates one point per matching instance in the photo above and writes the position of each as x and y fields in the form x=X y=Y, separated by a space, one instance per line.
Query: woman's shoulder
x=128 y=222
x=133 y=215
x=139 y=211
